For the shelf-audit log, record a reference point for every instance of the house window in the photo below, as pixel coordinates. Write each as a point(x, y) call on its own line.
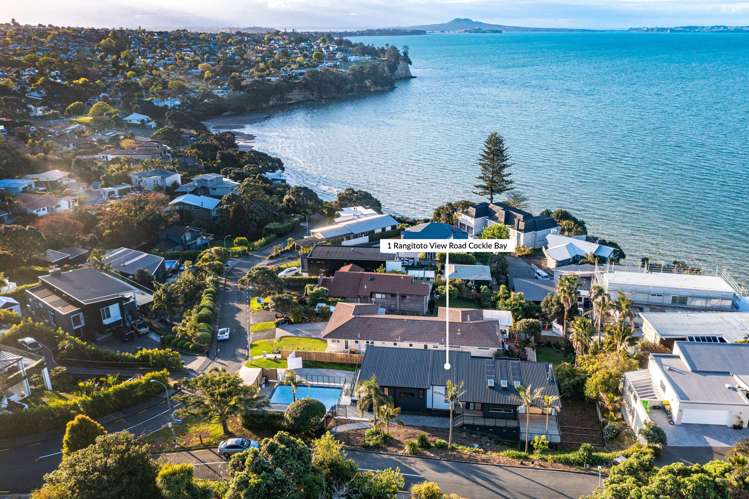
point(77, 320)
point(679, 300)
point(380, 296)
point(110, 314)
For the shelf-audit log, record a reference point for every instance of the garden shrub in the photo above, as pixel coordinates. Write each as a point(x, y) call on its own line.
point(304, 416)
point(411, 446)
point(423, 441)
point(374, 437)
point(514, 454)
point(440, 443)
point(611, 430)
point(262, 420)
point(426, 490)
point(653, 434)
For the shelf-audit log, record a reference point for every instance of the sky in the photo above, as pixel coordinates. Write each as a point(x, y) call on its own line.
point(346, 14)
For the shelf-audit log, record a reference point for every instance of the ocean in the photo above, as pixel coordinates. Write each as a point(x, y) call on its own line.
point(645, 136)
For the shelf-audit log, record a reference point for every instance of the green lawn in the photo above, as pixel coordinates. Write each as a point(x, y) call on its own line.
point(261, 347)
point(262, 326)
point(552, 355)
point(195, 432)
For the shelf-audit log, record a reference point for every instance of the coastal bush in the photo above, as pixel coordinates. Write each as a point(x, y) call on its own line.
point(611, 430)
point(105, 401)
point(426, 490)
point(80, 432)
point(423, 441)
point(262, 420)
point(653, 434)
point(440, 443)
point(411, 446)
point(374, 437)
point(304, 416)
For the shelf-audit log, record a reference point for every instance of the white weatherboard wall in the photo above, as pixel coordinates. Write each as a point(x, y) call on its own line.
point(356, 241)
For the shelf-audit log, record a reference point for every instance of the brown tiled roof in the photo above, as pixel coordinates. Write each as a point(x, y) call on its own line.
point(355, 284)
point(362, 322)
point(37, 201)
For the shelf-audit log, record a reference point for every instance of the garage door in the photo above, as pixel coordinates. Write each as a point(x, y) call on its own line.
point(702, 416)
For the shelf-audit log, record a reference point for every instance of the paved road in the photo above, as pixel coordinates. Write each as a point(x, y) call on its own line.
point(466, 479)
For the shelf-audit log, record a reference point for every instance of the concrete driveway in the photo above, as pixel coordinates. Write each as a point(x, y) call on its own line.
point(697, 435)
point(309, 330)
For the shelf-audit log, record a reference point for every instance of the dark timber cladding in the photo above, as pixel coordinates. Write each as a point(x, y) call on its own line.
point(327, 259)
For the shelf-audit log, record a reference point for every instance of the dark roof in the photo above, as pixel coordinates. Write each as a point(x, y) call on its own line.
point(129, 261)
point(62, 254)
point(516, 218)
point(434, 230)
point(418, 368)
point(350, 283)
point(730, 358)
point(359, 321)
point(349, 253)
point(87, 285)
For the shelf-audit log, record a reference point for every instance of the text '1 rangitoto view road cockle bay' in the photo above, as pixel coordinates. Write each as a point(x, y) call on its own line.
point(432, 249)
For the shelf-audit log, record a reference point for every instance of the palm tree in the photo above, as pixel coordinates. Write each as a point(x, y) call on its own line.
point(567, 293)
point(369, 395)
point(529, 396)
point(582, 330)
point(619, 337)
point(601, 304)
point(386, 413)
point(291, 379)
point(549, 401)
point(623, 308)
point(453, 393)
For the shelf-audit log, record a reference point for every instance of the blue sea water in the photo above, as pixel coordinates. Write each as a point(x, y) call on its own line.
point(643, 135)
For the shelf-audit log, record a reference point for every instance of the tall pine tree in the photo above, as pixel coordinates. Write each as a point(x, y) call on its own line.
point(495, 177)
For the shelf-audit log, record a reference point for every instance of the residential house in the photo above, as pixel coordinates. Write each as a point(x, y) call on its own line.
point(50, 179)
point(353, 212)
point(11, 304)
point(564, 250)
point(138, 119)
point(209, 184)
point(43, 204)
point(198, 208)
point(416, 381)
point(526, 229)
point(533, 289)
point(663, 291)
point(16, 369)
point(66, 256)
point(15, 186)
point(393, 292)
point(169, 102)
point(327, 259)
point(114, 191)
point(698, 384)
point(474, 274)
point(128, 262)
point(430, 230)
point(85, 301)
point(356, 231)
point(184, 237)
point(667, 328)
point(143, 150)
point(356, 326)
point(151, 180)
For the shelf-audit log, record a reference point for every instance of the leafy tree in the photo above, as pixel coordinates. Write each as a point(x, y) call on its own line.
point(176, 481)
point(304, 416)
point(582, 331)
point(302, 200)
point(569, 224)
point(567, 293)
point(282, 467)
point(495, 231)
point(23, 244)
point(169, 136)
point(13, 161)
point(376, 485)
point(552, 308)
point(80, 432)
point(264, 281)
point(352, 197)
point(60, 229)
point(517, 305)
point(494, 163)
point(133, 220)
point(115, 466)
point(653, 434)
point(219, 395)
point(315, 293)
point(328, 459)
point(526, 329)
point(449, 212)
point(619, 337)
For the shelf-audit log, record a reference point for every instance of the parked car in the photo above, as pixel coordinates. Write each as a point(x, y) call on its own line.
point(291, 271)
point(227, 448)
point(140, 327)
point(30, 344)
point(223, 334)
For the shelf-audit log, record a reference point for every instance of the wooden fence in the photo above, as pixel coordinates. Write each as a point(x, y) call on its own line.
point(336, 357)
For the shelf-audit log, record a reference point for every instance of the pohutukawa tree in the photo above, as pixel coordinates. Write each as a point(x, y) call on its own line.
point(494, 163)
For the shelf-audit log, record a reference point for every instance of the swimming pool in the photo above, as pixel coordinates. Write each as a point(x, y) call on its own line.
point(328, 396)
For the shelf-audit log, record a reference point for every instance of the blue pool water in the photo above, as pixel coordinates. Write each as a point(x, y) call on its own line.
point(643, 135)
point(328, 396)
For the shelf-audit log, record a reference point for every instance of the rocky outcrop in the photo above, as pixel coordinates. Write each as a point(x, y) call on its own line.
point(403, 71)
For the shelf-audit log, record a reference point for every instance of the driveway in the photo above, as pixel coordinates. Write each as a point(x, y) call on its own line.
point(466, 479)
point(309, 330)
point(697, 435)
point(234, 313)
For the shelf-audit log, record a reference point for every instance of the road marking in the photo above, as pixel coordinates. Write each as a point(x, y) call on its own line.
point(48, 455)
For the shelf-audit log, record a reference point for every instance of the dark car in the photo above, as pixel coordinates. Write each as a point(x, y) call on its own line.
point(127, 335)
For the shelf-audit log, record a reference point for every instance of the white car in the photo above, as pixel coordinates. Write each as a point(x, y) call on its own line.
point(223, 334)
point(227, 448)
point(291, 271)
point(30, 344)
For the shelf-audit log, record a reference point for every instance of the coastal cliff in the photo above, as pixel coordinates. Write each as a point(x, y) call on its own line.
point(403, 71)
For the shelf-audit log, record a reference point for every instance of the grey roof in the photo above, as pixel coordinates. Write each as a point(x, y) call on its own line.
point(732, 326)
point(715, 357)
point(62, 254)
point(469, 272)
point(350, 253)
point(154, 173)
point(564, 248)
point(8, 359)
point(129, 261)
point(534, 289)
point(418, 368)
point(666, 280)
point(88, 285)
point(516, 218)
point(434, 230)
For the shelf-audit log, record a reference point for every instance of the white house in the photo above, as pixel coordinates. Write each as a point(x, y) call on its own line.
point(355, 231)
point(8, 303)
point(470, 273)
point(137, 119)
point(43, 204)
point(564, 250)
point(526, 229)
point(666, 291)
point(151, 180)
point(169, 102)
point(209, 184)
point(701, 327)
point(353, 212)
point(700, 383)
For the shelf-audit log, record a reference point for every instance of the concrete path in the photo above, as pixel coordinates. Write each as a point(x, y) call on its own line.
point(350, 427)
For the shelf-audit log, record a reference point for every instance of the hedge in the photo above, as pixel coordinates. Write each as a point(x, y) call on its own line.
point(101, 403)
point(262, 420)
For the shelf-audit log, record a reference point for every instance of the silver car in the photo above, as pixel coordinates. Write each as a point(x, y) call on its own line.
point(231, 446)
